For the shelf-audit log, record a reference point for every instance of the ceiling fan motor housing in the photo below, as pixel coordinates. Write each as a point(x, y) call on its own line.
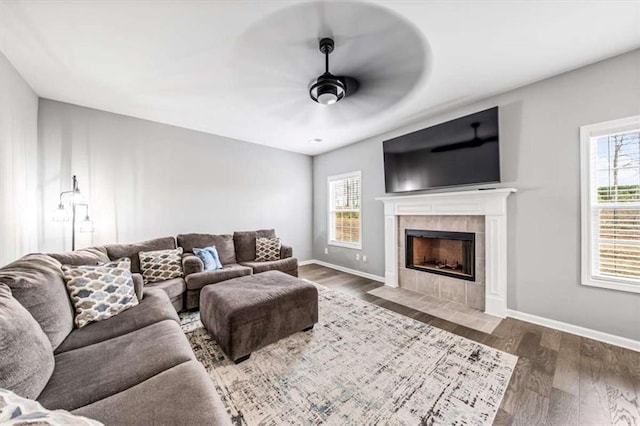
point(327, 89)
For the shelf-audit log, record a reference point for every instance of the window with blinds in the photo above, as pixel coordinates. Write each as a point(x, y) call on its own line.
point(611, 204)
point(345, 226)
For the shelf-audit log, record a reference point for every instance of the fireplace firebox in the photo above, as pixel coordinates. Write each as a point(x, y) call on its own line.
point(444, 253)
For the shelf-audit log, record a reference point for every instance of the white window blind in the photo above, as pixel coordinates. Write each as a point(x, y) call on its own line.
point(611, 204)
point(345, 224)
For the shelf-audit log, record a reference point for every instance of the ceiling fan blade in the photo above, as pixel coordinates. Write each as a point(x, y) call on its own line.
point(351, 85)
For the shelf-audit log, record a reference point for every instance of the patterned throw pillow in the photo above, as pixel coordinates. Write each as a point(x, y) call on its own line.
point(15, 410)
point(99, 292)
point(267, 249)
point(161, 265)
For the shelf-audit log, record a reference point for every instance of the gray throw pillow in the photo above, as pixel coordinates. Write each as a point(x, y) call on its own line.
point(100, 292)
point(26, 360)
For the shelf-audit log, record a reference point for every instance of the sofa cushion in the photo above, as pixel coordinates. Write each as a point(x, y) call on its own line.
point(15, 410)
point(284, 265)
point(26, 362)
point(116, 251)
point(155, 307)
point(161, 265)
point(36, 282)
point(200, 279)
point(88, 256)
point(182, 395)
point(267, 249)
point(91, 373)
point(245, 242)
point(99, 292)
point(173, 287)
point(223, 244)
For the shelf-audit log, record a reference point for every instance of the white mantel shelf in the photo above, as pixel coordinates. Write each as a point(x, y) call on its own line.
point(491, 203)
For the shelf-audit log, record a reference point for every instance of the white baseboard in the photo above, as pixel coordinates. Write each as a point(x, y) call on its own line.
point(612, 339)
point(343, 269)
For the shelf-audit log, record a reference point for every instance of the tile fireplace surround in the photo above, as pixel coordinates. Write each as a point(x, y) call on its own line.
point(470, 293)
point(401, 212)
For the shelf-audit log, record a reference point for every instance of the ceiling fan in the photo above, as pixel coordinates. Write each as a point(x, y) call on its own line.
point(328, 89)
point(471, 143)
point(362, 70)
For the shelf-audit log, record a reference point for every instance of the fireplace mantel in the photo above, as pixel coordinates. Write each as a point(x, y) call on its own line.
point(492, 204)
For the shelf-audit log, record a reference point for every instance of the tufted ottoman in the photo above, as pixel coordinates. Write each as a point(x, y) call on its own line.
point(247, 313)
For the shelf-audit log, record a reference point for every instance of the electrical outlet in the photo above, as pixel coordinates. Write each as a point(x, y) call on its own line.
point(326, 250)
point(364, 257)
point(357, 256)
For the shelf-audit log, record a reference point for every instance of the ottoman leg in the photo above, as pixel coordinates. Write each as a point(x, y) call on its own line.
point(308, 328)
point(242, 358)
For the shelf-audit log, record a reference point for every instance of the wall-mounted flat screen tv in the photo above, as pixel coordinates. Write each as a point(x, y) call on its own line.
point(463, 151)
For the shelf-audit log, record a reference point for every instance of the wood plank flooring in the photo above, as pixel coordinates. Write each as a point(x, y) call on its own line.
point(560, 378)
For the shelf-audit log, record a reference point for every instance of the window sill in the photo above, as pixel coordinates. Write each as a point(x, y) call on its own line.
point(612, 285)
point(345, 245)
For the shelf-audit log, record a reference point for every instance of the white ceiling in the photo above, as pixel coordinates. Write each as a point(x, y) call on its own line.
point(241, 68)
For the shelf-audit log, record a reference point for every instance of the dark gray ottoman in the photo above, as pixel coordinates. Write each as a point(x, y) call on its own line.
point(247, 313)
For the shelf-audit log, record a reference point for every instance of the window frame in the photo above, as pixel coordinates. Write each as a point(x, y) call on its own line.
point(331, 211)
point(587, 133)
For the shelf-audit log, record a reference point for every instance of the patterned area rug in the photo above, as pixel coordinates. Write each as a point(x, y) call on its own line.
point(361, 364)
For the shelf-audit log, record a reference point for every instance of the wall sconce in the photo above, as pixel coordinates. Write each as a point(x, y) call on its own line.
point(76, 200)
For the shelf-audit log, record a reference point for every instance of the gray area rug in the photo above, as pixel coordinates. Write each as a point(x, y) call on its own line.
point(361, 364)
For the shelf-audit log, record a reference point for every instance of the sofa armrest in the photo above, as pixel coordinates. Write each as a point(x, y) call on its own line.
point(286, 251)
point(138, 285)
point(191, 264)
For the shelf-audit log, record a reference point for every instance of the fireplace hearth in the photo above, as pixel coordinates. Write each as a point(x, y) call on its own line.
point(441, 252)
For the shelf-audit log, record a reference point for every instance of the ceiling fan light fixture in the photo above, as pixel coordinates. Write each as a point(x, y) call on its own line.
point(327, 89)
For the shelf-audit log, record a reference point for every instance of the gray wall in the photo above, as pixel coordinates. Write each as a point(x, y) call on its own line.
point(539, 130)
point(145, 180)
point(18, 161)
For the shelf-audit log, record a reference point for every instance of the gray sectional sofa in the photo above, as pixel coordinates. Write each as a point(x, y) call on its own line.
point(237, 254)
point(134, 368)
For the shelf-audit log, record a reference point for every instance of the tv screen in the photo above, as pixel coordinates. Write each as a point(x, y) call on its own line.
point(463, 151)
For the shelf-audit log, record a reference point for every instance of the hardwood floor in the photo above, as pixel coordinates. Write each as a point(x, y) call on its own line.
point(560, 378)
